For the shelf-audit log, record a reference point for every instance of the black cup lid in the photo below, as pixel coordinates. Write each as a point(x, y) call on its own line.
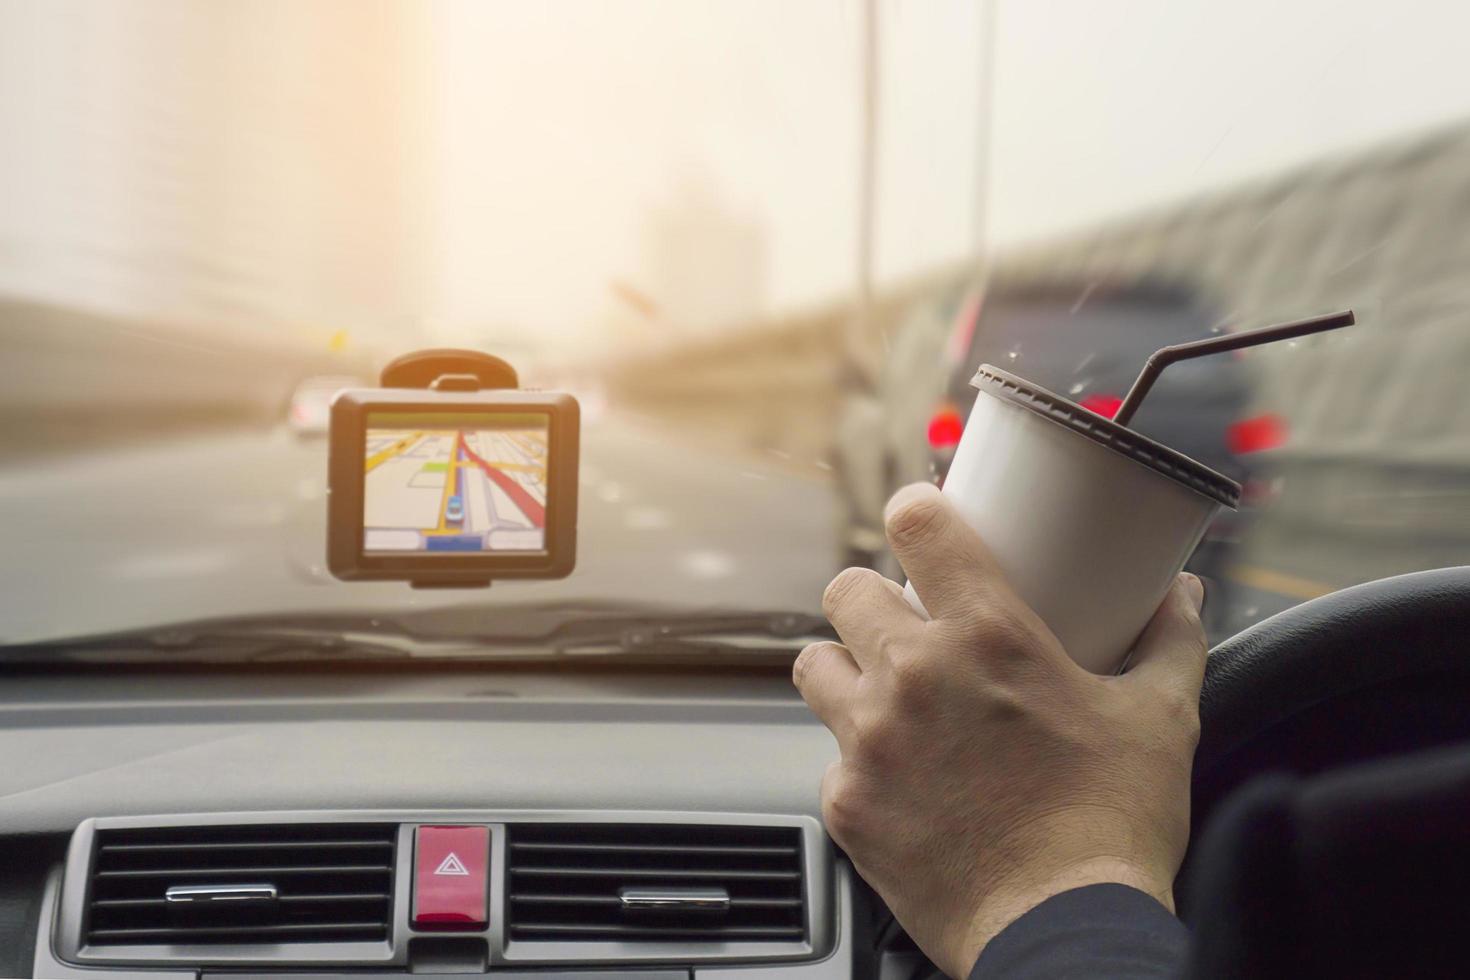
point(1140, 448)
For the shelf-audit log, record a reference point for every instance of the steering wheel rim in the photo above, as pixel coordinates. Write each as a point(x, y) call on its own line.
point(1348, 645)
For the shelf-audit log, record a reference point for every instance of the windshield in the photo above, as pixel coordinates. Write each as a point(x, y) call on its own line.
point(766, 245)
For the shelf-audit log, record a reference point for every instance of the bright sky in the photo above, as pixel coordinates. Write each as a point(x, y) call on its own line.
point(564, 124)
point(1105, 107)
point(514, 151)
point(566, 121)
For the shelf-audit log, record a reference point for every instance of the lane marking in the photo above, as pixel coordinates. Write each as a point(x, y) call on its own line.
point(383, 455)
point(1281, 583)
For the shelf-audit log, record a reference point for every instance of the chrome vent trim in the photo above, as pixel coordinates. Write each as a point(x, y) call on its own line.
point(265, 884)
point(654, 883)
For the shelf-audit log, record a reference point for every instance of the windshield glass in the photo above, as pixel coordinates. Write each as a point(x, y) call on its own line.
point(766, 245)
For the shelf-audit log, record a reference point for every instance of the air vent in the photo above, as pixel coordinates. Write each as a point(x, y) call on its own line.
point(283, 883)
point(655, 883)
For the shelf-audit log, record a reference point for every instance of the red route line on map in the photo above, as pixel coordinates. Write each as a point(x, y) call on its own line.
point(517, 493)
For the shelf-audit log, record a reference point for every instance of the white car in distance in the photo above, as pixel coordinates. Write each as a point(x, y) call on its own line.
point(310, 411)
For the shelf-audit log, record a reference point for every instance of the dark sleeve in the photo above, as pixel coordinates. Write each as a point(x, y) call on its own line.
point(1099, 931)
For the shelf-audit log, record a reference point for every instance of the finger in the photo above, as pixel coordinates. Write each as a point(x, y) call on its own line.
point(863, 606)
point(944, 558)
point(827, 676)
point(1170, 654)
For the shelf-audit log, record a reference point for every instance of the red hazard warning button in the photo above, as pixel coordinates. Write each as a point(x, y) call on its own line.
point(451, 874)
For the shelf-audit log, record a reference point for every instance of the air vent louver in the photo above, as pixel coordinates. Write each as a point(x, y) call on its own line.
point(332, 884)
point(581, 882)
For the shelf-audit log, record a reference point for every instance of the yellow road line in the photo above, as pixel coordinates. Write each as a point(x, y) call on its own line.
point(450, 478)
point(528, 442)
point(1278, 582)
point(382, 456)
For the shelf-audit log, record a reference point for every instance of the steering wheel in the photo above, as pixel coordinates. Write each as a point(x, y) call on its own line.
point(1377, 669)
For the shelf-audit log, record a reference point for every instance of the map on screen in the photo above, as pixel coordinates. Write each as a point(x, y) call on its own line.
point(455, 483)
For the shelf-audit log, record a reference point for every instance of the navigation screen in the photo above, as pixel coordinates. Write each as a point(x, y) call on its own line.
point(455, 483)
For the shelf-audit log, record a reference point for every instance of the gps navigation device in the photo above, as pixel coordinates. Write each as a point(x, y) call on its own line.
point(451, 485)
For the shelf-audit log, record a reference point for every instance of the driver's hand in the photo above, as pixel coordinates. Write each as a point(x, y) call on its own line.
point(983, 771)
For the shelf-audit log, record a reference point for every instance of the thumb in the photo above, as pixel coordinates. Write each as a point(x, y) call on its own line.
point(1170, 653)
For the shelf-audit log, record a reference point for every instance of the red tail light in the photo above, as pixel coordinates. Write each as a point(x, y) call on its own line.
point(945, 428)
point(1256, 434)
point(1105, 405)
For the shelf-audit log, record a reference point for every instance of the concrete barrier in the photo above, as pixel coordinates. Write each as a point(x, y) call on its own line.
point(773, 386)
point(69, 378)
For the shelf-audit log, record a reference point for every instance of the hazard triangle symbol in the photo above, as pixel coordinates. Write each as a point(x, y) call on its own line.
point(451, 866)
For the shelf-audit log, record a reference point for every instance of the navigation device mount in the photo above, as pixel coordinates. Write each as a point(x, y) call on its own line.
point(451, 476)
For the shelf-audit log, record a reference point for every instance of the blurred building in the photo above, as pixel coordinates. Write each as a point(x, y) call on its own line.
point(1371, 475)
point(200, 204)
point(253, 166)
point(1374, 466)
point(704, 263)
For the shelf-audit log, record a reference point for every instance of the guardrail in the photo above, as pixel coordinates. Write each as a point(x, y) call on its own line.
point(777, 385)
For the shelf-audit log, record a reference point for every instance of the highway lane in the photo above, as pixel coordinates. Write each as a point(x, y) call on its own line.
point(235, 523)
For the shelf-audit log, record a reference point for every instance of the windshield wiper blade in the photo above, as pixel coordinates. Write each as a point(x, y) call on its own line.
point(643, 636)
point(749, 639)
point(214, 646)
point(645, 631)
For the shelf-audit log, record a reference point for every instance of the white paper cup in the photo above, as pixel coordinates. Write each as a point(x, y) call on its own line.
point(1089, 521)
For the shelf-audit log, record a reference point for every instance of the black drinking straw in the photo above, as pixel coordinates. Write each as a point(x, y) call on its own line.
point(1165, 356)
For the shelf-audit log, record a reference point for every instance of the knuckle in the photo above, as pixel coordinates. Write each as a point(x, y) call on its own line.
point(801, 667)
point(991, 627)
point(872, 736)
point(1015, 698)
point(917, 520)
point(1189, 629)
point(1188, 619)
point(1005, 704)
point(1183, 714)
point(806, 670)
point(1199, 644)
point(914, 678)
point(1177, 711)
point(842, 812)
point(1188, 638)
point(842, 587)
point(891, 646)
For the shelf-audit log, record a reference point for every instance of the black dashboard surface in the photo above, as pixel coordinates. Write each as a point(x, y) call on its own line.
point(90, 743)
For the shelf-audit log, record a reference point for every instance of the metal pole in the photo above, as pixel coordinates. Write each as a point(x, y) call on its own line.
point(979, 231)
point(861, 323)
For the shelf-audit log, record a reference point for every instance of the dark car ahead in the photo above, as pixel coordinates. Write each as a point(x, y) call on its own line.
point(1088, 346)
point(1086, 343)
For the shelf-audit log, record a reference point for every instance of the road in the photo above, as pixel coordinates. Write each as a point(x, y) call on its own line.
point(235, 523)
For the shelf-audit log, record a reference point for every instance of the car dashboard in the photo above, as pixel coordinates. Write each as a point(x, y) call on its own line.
point(293, 821)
